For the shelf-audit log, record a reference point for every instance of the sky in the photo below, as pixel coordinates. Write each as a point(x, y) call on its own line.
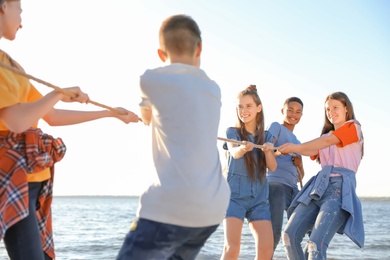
point(307, 49)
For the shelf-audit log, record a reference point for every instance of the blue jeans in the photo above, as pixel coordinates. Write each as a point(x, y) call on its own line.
point(157, 241)
point(280, 198)
point(321, 218)
point(22, 240)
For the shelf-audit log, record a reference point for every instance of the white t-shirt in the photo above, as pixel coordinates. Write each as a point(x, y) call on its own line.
point(191, 191)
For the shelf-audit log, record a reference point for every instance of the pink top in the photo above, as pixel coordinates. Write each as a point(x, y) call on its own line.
point(348, 153)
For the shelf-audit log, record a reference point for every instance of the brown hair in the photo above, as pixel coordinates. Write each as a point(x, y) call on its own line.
point(253, 164)
point(343, 98)
point(180, 34)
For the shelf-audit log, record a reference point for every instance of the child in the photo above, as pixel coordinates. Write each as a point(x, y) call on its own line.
point(25, 199)
point(283, 181)
point(247, 180)
point(177, 214)
point(328, 203)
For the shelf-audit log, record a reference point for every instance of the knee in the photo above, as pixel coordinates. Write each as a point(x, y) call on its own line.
point(314, 252)
point(286, 239)
point(312, 247)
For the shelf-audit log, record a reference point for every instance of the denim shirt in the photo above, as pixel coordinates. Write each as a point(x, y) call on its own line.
point(315, 188)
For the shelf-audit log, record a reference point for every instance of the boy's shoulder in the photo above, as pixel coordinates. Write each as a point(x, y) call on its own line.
point(177, 70)
point(274, 126)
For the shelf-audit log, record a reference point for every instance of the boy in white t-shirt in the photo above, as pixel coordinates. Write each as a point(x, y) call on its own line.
point(182, 104)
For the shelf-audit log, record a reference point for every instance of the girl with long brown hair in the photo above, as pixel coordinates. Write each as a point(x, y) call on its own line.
point(328, 203)
point(246, 176)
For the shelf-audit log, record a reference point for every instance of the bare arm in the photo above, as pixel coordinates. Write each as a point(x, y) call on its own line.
point(22, 116)
point(238, 151)
point(270, 156)
point(311, 147)
point(59, 117)
point(19, 117)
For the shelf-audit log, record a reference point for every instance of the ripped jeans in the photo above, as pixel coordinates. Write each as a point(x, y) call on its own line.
point(322, 218)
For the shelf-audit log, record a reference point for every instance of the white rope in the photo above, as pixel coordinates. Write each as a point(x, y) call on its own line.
point(242, 143)
point(255, 145)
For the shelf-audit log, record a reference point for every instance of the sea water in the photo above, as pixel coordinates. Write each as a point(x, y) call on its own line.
point(94, 228)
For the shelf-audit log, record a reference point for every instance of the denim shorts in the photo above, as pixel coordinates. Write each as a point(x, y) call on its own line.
point(154, 240)
point(249, 199)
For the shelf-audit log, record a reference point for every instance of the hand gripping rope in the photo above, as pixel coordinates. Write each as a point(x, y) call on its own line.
point(58, 89)
point(300, 174)
point(242, 143)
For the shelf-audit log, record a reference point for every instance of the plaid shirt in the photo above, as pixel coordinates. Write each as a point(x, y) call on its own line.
point(21, 154)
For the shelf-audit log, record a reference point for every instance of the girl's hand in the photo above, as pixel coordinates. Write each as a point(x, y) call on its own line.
point(287, 148)
point(247, 146)
point(127, 116)
point(269, 147)
point(74, 94)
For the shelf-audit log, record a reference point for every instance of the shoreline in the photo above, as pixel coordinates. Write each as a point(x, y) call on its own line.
point(362, 198)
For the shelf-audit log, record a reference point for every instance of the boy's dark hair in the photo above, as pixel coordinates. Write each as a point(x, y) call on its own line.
point(293, 99)
point(180, 34)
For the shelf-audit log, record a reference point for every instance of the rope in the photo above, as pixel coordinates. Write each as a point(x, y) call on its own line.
point(300, 176)
point(254, 145)
point(58, 89)
point(242, 143)
point(300, 173)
